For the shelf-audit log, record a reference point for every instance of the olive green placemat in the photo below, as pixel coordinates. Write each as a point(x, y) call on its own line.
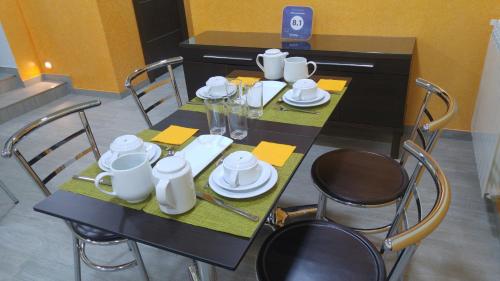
point(272, 112)
point(88, 189)
point(207, 215)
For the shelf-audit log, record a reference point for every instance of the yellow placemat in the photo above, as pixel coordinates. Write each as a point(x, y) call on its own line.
point(248, 80)
point(175, 135)
point(331, 85)
point(273, 153)
point(207, 215)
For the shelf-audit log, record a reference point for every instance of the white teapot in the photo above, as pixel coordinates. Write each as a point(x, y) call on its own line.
point(273, 63)
point(174, 185)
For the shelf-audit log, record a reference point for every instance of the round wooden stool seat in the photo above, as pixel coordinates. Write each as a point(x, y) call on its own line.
point(359, 177)
point(318, 250)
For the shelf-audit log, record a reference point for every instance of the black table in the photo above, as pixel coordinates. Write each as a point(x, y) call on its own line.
point(202, 244)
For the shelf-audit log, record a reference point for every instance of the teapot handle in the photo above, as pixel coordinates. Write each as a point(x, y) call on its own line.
point(314, 70)
point(97, 182)
point(258, 63)
point(164, 193)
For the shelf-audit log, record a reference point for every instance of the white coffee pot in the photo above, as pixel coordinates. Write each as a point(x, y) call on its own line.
point(174, 185)
point(273, 63)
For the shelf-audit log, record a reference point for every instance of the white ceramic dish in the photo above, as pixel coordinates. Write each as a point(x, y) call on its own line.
point(325, 99)
point(152, 149)
point(263, 178)
point(203, 150)
point(244, 194)
point(319, 96)
point(202, 92)
point(271, 89)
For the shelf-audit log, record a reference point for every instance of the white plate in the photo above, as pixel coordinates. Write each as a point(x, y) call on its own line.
point(326, 98)
point(271, 89)
point(203, 150)
point(289, 96)
point(202, 92)
point(152, 149)
point(263, 178)
point(244, 194)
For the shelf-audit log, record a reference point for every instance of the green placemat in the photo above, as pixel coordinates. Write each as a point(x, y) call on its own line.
point(272, 112)
point(207, 215)
point(88, 189)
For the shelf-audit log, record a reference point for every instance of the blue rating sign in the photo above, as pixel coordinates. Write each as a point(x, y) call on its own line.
point(297, 22)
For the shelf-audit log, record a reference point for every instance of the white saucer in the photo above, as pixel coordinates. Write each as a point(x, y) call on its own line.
point(245, 194)
point(325, 99)
point(289, 96)
point(152, 149)
point(263, 178)
point(202, 92)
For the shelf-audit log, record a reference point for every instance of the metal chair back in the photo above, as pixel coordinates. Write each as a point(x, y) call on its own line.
point(138, 94)
point(10, 146)
point(427, 127)
point(406, 241)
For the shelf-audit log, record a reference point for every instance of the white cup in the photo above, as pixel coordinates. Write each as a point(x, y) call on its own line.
point(124, 145)
point(216, 86)
point(174, 185)
point(241, 168)
point(304, 90)
point(296, 68)
point(131, 178)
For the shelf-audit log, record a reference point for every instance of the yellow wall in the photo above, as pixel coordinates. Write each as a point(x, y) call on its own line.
point(19, 39)
point(451, 36)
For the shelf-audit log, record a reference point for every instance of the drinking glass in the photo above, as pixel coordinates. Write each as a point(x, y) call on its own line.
point(237, 117)
point(255, 100)
point(216, 115)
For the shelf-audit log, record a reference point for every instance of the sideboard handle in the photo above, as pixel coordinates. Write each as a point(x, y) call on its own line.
point(227, 58)
point(364, 65)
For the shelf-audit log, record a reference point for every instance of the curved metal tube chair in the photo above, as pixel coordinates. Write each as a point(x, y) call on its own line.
point(321, 250)
point(370, 180)
point(129, 84)
point(82, 234)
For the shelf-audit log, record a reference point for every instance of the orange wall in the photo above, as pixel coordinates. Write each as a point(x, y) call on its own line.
point(19, 39)
point(451, 36)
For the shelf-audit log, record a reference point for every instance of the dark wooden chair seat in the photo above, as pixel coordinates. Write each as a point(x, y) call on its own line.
point(94, 234)
point(318, 250)
point(359, 177)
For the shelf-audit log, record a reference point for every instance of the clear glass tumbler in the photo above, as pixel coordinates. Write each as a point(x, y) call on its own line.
point(216, 115)
point(255, 100)
point(237, 117)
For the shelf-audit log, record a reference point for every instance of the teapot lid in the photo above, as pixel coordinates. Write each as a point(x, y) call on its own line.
point(273, 52)
point(170, 165)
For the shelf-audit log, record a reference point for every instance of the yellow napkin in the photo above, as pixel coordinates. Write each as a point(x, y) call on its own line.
point(175, 135)
point(331, 85)
point(248, 80)
point(273, 153)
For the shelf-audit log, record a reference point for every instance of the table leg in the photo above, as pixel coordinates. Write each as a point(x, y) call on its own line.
point(396, 143)
point(200, 271)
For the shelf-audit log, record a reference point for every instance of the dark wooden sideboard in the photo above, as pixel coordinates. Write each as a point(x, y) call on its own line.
point(379, 67)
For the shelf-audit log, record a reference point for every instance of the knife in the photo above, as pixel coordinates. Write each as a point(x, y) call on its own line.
point(216, 201)
point(88, 179)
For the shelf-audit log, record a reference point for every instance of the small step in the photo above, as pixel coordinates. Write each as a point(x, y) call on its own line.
point(9, 82)
point(20, 101)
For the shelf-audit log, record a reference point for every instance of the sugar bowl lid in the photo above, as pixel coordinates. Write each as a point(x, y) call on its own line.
point(126, 143)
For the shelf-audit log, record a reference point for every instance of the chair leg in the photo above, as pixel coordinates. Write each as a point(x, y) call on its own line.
point(138, 258)
point(9, 193)
point(320, 213)
point(76, 259)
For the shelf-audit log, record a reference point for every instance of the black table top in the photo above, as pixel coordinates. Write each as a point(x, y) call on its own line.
point(318, 42)
point(213, 247)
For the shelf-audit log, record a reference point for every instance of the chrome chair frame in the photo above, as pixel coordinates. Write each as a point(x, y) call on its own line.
point(405, 242)
point(78, 241)
point(150, 67)
point(9, 193)
point(432, 129)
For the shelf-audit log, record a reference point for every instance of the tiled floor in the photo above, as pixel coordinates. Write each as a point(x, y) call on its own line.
point(37, 247)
